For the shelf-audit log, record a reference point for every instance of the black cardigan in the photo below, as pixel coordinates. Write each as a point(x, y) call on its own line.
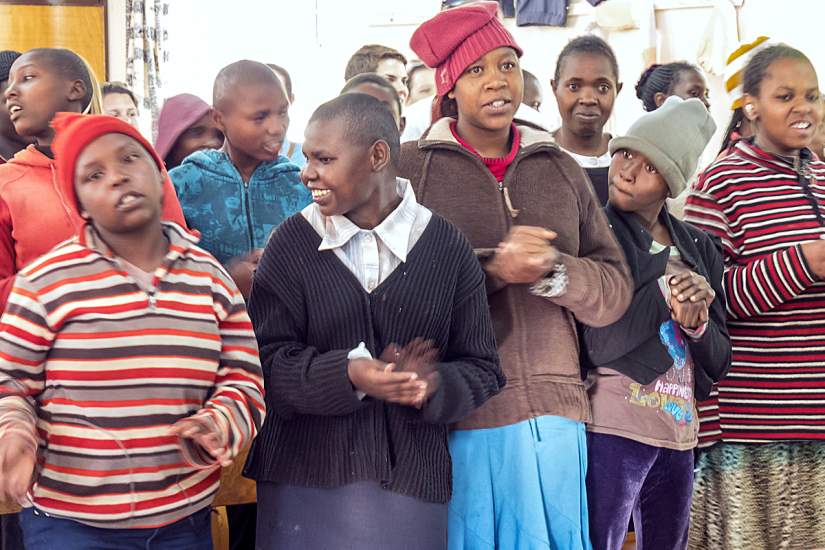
point(631, 345)
point(309, 311)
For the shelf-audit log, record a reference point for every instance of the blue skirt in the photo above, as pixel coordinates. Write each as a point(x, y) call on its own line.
point(520, 487)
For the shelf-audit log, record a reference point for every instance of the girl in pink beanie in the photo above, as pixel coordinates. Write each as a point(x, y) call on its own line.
point(519, 461)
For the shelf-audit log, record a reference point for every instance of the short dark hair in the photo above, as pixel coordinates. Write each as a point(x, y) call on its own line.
point(758, 65)
point(372, 78)
point(367, 58)
point(7, 59)
point(591, 44)
point(284, 74)
point(68, 65)
point(241, 73)
point(366, 120)
point(117, 88)
point(661, 79)
point(530, 76)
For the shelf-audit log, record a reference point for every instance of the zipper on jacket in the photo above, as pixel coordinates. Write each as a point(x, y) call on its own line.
point(803, 176)
point(248, 215)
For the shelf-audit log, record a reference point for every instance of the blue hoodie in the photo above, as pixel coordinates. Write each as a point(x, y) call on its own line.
point(232, 217)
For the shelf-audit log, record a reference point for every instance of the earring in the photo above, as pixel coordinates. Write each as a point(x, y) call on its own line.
point(749, 108)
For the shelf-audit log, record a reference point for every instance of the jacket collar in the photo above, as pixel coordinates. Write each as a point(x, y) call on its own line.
point(532, 137)
point(394, 231)
point(218, 163)
point(31, 156)
point(180, 241)
point(747, 148)
point(642, 239)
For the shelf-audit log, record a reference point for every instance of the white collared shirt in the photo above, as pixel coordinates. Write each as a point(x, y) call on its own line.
point(373, 254)
point(586, 161)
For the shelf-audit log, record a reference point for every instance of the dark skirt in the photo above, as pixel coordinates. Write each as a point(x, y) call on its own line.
point(359, 515)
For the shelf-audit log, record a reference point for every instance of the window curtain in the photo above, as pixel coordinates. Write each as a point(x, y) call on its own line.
point(146, 54)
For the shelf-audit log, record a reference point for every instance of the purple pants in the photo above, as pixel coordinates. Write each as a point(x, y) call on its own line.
point(653, 484)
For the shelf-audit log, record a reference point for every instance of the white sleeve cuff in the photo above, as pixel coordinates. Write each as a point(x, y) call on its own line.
point(360, 352)
point(664, 286)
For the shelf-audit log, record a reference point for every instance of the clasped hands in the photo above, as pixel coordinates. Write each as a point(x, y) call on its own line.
point(690, 299)
point(405, 376)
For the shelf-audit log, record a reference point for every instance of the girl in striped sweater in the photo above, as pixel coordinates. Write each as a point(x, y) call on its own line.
point(760, 485)
point(129, 371)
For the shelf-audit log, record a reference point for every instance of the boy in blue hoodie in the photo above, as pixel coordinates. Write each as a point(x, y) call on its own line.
point(237, 195)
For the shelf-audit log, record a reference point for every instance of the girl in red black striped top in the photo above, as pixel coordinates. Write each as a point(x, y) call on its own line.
point(757, 487)
point(129, 372)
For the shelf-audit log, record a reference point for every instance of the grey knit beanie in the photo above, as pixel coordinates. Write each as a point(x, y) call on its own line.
point(672, 138)
point(7, 57)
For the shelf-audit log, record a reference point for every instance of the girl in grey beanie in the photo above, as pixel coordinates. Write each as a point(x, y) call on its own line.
point(648, 369)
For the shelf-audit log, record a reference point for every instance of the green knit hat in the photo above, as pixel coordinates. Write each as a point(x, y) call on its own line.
point(672, 137)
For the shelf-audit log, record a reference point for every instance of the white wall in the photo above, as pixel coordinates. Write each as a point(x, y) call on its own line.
point(314, 38)
point(116, 42)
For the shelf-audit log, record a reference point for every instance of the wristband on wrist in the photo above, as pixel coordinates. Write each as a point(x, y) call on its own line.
point(553, 286)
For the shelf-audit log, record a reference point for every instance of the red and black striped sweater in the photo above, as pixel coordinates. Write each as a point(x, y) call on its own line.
point(764, 210)
point(94, 370)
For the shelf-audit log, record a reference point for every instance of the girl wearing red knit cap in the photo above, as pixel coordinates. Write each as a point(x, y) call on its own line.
point(129, 370)
point(519, 461)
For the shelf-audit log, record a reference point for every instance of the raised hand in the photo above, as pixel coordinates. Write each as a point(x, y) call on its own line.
point(525, 255)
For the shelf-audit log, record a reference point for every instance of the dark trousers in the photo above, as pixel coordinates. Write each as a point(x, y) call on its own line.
point(42, 532)
point(10, 536)
point(652, 484)
point(241, 519)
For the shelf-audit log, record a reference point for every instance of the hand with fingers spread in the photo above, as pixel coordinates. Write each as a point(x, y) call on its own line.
point(691, 296)
point(420, 356)
point(205, 432)
point(17, 460)
point(379, 380)
point(525, 255)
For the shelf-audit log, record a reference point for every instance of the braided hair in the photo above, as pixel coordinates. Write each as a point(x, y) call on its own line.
point(735, 124)
point(660, 79)
point(758, 65)
point(752, 77)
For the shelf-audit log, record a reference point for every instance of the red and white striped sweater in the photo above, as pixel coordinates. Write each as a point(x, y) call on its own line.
point(763, 213)
point(95, 370)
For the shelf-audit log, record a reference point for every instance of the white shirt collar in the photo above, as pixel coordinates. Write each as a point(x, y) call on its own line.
point(394, 231)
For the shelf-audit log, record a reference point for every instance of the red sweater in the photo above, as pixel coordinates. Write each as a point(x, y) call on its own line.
point(496, 165)
point(776, 306)
point(34, 214)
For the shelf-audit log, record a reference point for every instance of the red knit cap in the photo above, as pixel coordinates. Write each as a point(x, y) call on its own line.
point(73, 132)
point(454, 39)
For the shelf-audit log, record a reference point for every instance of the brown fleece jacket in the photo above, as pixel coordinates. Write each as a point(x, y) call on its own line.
point(537, 339)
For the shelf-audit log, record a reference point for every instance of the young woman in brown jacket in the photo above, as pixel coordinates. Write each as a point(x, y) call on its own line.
point(550, 259)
